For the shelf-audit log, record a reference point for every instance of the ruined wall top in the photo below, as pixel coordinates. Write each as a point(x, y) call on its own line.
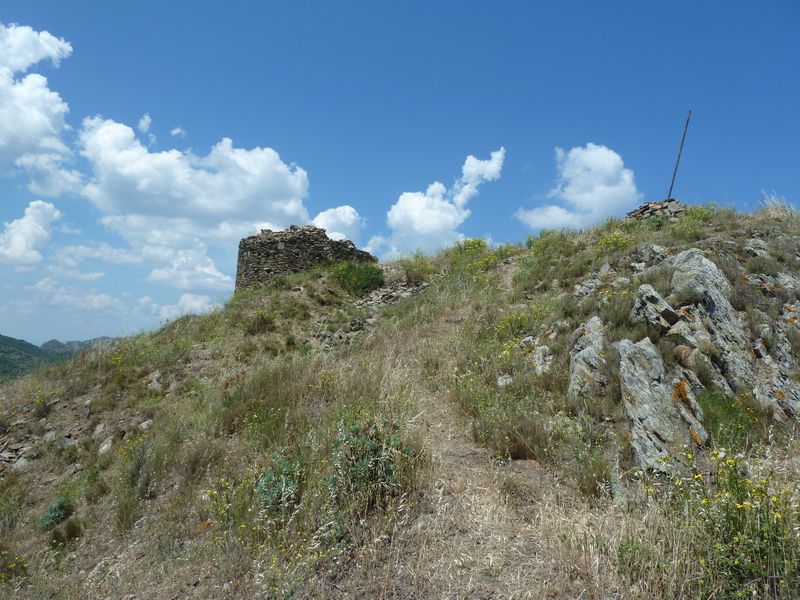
point(270, 254)
point(669, 209)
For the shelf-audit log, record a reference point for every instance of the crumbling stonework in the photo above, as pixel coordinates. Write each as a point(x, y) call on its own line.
point(271, 254)
point(666, 209)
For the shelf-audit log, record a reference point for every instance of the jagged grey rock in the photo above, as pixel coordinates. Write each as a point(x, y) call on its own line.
point(542, 358)
point(662, 413)
point(756, 247)
point(649, 307)
point(587, 365)
point(718, 327)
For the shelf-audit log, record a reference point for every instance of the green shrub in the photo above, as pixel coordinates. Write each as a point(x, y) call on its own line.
point(592, 469)
point(261, 322)
point(56, 512)
point(417, 268)
point(612, 242)
point(71, 529)
point(280, 487)
point(12, 498)
point(732, 422)
point(552, 255)
point(370, 464)
point(763, 265)
point(11, 564)
point(358, 277)
point(749, 546)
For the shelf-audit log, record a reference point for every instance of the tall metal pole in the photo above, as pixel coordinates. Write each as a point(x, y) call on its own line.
point(680, 150)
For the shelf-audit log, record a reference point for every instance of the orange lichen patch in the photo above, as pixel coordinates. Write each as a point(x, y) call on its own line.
point(202, 526)
point(695, 435)
point(686, 313)
point(780, 394)
point(629, 435)
point(792, 320)
point(680, 390)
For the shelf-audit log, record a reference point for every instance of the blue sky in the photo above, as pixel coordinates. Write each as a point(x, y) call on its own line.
point(571, 112)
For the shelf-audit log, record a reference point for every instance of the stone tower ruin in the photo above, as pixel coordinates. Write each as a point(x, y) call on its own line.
point(271, 254)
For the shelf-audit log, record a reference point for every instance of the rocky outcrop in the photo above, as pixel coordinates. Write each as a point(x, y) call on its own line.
point(587, 365)
point(271, 254)
point(704, 291)
point(669, 209)
point(662, 412)
point(649, 307)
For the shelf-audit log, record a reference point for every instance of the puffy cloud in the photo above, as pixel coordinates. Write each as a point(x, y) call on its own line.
point(476, 171)
point(22, 239)
point(592, 183)
point(22, 47)
point(187, 304)
point(31, 115)
point(144, 123)
point(178, 132)
point(223, 191)
point(340, 223)
point(191, 269)
point(48, 177)
point(429, 220)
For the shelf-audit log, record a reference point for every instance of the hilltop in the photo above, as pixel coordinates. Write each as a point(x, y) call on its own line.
point(605, 413)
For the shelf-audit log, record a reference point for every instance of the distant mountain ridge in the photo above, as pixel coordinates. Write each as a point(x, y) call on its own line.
point(75, 346)
point(18, 357)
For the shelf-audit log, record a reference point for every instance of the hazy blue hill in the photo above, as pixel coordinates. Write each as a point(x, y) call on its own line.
point(73, 347)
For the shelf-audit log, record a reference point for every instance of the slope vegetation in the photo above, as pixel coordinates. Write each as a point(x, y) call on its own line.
point(600, 414)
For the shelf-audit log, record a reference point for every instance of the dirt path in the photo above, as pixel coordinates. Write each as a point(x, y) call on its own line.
point(488, 530)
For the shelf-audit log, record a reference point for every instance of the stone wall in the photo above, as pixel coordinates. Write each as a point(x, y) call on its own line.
point(666, 209)
point(271, 254)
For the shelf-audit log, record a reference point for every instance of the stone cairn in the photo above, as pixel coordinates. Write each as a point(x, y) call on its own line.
point(669, 209)
point(271, 254)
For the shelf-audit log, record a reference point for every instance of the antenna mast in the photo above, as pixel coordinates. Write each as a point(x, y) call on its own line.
point(680, 150)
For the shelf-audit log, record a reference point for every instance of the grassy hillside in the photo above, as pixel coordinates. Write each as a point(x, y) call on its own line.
point(316, 439)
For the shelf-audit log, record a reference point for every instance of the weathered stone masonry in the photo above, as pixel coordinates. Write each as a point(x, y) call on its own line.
point(271, 254)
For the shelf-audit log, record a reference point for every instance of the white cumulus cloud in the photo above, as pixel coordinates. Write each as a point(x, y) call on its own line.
point(32, 117)
point(22, 240)
point(430, 220)
point(169, 193)
point(592, 184)
point(340, 223)
point(47, 176)
point(187, 304)
point(191, 269)
point(21, 47)
point(177, 132)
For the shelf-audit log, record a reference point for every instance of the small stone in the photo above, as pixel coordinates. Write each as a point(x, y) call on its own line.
point(49, 437)
point(145, 425)
point(504, 380)
point(105, 447)
point(22, 465)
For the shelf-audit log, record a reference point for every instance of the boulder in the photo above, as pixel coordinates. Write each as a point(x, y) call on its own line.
point(662, 412)
point(587, 365)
